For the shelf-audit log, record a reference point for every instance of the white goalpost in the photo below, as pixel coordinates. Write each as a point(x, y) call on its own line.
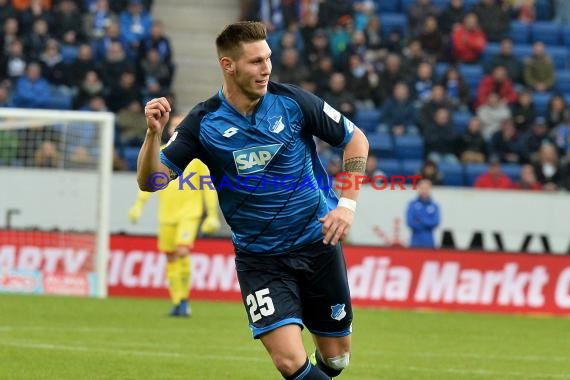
point(50, 158)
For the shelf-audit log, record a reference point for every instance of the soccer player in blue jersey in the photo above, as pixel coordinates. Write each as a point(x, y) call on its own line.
point(286, 234)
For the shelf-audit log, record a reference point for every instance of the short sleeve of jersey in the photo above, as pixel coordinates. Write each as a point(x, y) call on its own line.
point(321, 119)
point(184, 145)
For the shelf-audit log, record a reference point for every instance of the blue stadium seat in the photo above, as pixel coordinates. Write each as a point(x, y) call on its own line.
point(390, 166)
point(406, 4)
point(367, 119)
point(491, 50)
point(411, 167)
point(381, 144)
point(513, 171)
point(522, 51)
point(565, 35)
point(520, 32)
point(131, 154)
point(441, 4)
point(453, 174)
point(559, 55)
point(472, 171)
point(562, 83)
point(440, 70)
point(541, 100)
point(393, 21)
point(567, 98)
point(544, 10)
point(472, 75)
point(387, 5)
point(461, 121)
point(469, 4)
point(409, 147)
point(545, 31)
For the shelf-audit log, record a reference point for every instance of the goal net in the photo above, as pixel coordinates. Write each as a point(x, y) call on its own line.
point(55, 172)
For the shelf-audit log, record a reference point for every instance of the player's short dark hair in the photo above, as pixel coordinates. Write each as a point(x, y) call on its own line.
point(230, 39)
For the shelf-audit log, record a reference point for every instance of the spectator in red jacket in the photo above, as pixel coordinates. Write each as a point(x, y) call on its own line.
point(468, 40)
point(498, 82)
point(494, 178)
point(528, 179)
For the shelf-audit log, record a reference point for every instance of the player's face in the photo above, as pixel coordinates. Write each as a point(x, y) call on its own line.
point(253, 68)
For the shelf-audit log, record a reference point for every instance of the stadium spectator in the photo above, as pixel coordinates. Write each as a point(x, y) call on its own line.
point(22, 5)
point(101, 45)
point(561, 11)
point(290, 68)
point(158, 40)
point(533, 140)
point(35, 41)
point(432, 40)
point(494, 178)
point(412, 57)
point(47, 156)
point(135, 24)
point(360, 77)
point(7, 11)
point(508, 60)
point(322, 74)
point(524, 10)
point(423, 216)
point(561, 137)
point(547, 169)
point(332, 11)
point(395, 41)
point(318, 49)
point(392, 74)
point(67, 17)
point(123, 92)
point(539, 71)
point(437, 100)
point(153, 68)
point(129, 120)
point(340, 37)
point(528, 179)
point(90, 86)
point(36, 10)
point(494, 17)
point(468, 40)
point(5, 98)
point(430, 171)
point(471, 146)
point(523, 111)
point(356, 46)
point(498, 82)
point(82, 65)
point(457, 90)
point(53, 68)
point(440, 138)
point(423, 82)
point(505, 144)
point(398, 112)
point(452, 16)
point(33, 91)
point(338, 96)
point(373, 172)
point(13, 65)
point(96, 21)
point(115, 64)
point(418, 12)
point(374, 36)
point(9, 34)
point(557, 111)
point(492, 114)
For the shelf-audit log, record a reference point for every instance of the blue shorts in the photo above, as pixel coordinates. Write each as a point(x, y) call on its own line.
point(306, 286)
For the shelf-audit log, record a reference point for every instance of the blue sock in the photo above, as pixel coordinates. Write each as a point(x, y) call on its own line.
point(308, 372)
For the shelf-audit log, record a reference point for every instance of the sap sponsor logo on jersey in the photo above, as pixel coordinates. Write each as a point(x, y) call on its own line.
point(276, 124)
point(255, 159)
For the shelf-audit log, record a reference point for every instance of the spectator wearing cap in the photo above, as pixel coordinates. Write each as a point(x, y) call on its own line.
point(533, 140)
point(468, 40)
point(539, 69)
point(494, 178)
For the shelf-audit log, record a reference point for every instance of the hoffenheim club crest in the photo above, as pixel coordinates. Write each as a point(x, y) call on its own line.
point(337, 312)
point(276, 124)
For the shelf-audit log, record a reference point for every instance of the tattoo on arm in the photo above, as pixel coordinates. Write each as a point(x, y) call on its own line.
point(355, 165)
point(172, 174)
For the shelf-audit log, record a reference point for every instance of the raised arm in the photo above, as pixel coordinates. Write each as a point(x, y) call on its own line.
point(157, 112)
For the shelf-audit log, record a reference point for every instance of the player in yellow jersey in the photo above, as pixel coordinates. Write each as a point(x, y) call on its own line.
point(179, 216)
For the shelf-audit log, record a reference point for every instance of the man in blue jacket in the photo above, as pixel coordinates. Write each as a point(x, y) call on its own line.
point(423, 217)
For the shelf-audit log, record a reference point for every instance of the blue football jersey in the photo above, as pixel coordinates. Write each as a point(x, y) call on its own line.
point(271, 184)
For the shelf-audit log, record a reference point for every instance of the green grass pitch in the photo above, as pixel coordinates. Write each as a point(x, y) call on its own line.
point(119, 338)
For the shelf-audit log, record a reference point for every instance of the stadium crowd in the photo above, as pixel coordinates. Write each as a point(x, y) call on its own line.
point(467, 92)
point(93, 55)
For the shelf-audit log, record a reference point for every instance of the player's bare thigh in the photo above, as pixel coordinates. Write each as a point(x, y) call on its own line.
point(285, 346)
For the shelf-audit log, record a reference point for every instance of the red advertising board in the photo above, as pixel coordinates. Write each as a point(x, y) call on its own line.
point(379, 277)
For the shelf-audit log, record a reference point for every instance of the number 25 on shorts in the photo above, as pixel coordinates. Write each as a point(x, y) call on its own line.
point(260, 305)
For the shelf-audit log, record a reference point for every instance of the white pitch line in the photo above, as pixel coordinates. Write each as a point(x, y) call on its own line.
point(523, 358)
point(468, 372)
